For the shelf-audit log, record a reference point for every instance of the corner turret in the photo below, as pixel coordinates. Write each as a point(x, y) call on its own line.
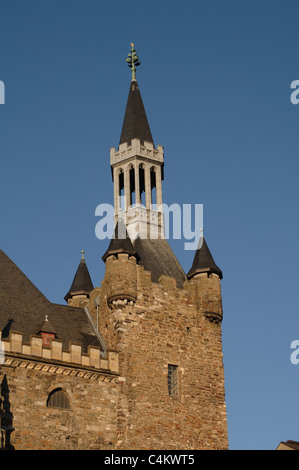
point(203, 261)
point(82, 284)
point(206, 277)
point(121, 274)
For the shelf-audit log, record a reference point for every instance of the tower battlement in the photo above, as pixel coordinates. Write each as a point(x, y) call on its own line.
point(35, 350)
point(129, 150)
point(127, 283)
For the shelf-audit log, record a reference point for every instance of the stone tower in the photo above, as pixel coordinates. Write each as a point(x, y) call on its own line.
point(137, 168)
point(135, 363)
point(164, 325)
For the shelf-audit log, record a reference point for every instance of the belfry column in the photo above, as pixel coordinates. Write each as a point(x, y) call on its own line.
point(127, 189)
point(159, 186)
point(148, 192)
point(137, 185)
point(159, 202)
point(116, 190)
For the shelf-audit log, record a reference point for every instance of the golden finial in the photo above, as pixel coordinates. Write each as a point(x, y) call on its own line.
point(133, 61)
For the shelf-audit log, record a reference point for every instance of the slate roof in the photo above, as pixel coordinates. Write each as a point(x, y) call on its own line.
point(23, 309)
point(203, 261)
point(135, 125)
point(157, 257)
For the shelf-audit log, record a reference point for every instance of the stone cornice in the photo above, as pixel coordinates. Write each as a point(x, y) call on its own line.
point(33, 363)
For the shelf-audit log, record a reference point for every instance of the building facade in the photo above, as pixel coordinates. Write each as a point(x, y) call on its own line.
point(135, 363)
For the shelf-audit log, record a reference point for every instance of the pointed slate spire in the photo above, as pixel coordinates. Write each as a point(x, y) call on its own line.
point(82, 283)
point(135, 125)
point(121, 242)
point(203, 261)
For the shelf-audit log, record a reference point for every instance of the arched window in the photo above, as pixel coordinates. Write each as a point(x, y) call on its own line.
point(132, 185)
point(142, 184)
point(121, 185)
point(153, 185)
point(58, 399)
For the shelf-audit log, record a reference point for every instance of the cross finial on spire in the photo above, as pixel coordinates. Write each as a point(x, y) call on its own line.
point(82, 254)
point(133, 61)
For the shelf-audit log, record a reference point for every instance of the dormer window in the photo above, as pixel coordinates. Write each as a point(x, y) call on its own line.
point(47, 332)
point(46, 338)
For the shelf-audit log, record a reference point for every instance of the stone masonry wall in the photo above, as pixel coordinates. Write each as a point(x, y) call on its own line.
point(167, 325)
point(30, 373)
point(89, 424)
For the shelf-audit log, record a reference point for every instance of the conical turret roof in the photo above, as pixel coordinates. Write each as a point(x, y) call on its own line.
point(203, 261)
point(135, 125)
point(121, 242)
point(82, 283)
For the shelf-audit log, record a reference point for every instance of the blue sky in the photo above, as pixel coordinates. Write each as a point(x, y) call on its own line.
point(215, 80)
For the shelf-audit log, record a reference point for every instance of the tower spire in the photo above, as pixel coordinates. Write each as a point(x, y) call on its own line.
point(135, 124)
point(137, 172)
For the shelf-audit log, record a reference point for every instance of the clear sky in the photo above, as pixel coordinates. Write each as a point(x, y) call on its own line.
point(215, 80)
